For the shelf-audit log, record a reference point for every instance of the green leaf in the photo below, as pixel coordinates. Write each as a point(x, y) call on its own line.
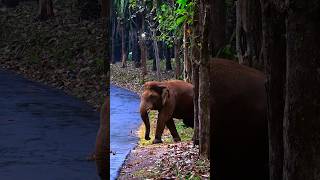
point(180, 20)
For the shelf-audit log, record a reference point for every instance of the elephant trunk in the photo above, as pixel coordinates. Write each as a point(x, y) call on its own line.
point(145, 119)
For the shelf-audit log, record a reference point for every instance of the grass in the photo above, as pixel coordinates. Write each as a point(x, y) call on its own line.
point(184, 132)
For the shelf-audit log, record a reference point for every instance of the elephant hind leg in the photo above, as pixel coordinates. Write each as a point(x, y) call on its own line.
point(173, 130)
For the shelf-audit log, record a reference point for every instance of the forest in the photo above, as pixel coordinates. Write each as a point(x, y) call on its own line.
point(163, 40)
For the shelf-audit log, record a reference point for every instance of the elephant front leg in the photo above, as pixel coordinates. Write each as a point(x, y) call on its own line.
point(163, 117)
point(173, 130)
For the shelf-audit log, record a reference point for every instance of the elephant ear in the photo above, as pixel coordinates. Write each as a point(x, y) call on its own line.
point(165, 95)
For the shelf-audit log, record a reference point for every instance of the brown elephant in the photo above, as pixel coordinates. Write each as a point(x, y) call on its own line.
point(239, 129)
point(173, 99)
point(102, 141)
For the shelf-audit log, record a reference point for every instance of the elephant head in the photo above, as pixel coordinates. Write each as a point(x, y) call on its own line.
point(154, 97)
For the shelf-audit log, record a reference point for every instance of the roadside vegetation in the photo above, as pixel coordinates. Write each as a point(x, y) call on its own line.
point(65, 52)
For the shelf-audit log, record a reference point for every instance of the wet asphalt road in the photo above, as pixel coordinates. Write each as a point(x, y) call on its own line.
point(125, 120)
point(45, 134)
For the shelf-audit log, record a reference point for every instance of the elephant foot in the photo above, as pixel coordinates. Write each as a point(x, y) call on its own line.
point(157, 141)
point(177, 139)
point(147, 138)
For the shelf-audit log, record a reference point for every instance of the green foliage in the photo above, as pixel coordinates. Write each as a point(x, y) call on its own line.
point(226, 52)
point(172, 17)
point(121, 7)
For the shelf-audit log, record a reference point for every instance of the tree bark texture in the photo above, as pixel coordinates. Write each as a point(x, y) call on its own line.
point(204, 83)
point(302, 107)
point(196, 55)
point(186, 58)
point(124, 53)
point(274, 51)
point(249, 33)
point(156, 53)
point(177, 57)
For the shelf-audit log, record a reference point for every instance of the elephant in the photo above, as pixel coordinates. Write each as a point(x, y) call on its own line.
point(239, 128)
point(173, 99)
point(102, 141)
point(238, 124)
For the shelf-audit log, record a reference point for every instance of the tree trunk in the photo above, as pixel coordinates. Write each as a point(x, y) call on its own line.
point(45, 9)
point(196, 55)
point(187, 63)
point(177, 57)
point(195, 82)
point(156, 53)
point(154, 63)
point(168, 58)
point(113, 39)
point(274, 51)
point(136, 52)
point(249, 33)
point(124, 46)
point(239, 36)
point(302, 106)
point(204, 82)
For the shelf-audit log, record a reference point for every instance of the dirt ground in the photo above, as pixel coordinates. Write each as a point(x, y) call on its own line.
point(165, 161)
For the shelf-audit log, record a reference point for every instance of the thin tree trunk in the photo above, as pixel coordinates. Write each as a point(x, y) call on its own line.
point(274, 51)
point(239, 34)
point(113, 40)
point(124, 47)
point(177, 57)
point(156, 53)
point(187, 63)
point(302, 106)
point(168, 60)
point(195, 82)
point(136, 52)
point(196, 55)
point(45, 9)
point(143, 56)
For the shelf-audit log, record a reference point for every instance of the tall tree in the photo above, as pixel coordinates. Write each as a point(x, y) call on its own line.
point(121, 7)
point(274, 55)
point(196, 48)
point(153, 28)
point(302, 106)
point(45, 9)
point(186, 56)
point(248, 28)
point(177, 57)
point(142, 40)
point(204, 9)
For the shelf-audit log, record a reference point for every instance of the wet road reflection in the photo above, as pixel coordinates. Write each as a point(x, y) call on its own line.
point(125, 119)
point(44, 134)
